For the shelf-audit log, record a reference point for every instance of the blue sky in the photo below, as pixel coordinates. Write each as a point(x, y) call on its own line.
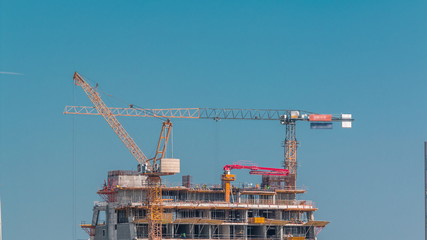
point(368, 58)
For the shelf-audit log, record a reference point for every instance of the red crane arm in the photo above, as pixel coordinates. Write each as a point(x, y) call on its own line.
point(255, 170)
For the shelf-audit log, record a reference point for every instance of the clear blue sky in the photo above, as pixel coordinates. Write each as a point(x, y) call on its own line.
point(364, 57)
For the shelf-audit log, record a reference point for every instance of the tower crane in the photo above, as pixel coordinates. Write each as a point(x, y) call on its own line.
point(152, 168)
point(289, 118)
point(227, 177)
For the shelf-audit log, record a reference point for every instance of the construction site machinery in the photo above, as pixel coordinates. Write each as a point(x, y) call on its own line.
point(227, 177)
point(153, 168)
point(289, 118)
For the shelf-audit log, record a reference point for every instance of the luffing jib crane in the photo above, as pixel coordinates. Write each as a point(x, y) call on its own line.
point(152, 167)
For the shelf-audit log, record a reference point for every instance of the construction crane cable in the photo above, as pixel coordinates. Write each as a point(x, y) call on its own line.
point(152, 113)
point(120, 100)
point(73, 160)
point(133, 105)
point(102, 108)
point(171, 143)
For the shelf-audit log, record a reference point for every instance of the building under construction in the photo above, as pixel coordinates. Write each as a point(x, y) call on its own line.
point(137, 205)
point(202, 212)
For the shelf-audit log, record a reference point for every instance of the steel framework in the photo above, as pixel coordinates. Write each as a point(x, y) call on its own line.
point(109, 116)
point(291, 146)
point(202, 113)
point(155, 210)
point(162, 143)
point(286, 117)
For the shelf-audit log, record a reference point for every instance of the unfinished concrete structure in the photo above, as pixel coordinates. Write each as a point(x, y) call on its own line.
point(200, 212)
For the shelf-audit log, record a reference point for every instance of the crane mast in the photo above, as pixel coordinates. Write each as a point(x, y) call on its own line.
point(291, 146)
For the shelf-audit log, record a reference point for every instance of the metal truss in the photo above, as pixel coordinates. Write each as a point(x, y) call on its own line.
point(201, 113)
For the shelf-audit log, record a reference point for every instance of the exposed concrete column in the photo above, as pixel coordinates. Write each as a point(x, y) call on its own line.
point(172, 230)
point(204, 231)
point(132, 225)
point(245, 232)
point(208, 215)
point(279, 214)
point(95, 215)
point(260, 231)
point(169, 230)
point(111, 222)
point(264, 232)
point(240, 232)
point(213, 228)
point(224, 231)
point(132, 230)
point(280, 232)
point(310, 216)
point(279, 229)
point(245, 215)
point(191, 232)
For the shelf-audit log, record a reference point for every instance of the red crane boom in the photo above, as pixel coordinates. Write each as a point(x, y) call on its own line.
point(227, 177)
point(255, 170)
